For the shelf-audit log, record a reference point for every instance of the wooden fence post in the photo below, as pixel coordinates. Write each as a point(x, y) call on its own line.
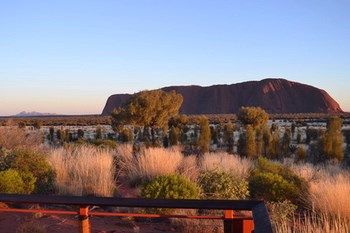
point(84, 219)
point(232, 225)
point(228, 222)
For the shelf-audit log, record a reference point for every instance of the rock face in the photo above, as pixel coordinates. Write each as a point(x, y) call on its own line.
point(273, 95)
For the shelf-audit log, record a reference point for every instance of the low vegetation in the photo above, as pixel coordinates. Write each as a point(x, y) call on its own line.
point(307, 190)
point(83, 170)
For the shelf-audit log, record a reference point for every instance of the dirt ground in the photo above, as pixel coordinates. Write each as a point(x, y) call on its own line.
point(27, 223)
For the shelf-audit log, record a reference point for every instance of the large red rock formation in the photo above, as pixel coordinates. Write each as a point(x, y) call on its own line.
point(273, 95)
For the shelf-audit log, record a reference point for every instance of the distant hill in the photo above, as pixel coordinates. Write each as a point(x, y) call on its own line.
point(273, 95)
point(33, 114)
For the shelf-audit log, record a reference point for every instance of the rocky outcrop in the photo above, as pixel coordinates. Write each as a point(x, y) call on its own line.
point(273, 95)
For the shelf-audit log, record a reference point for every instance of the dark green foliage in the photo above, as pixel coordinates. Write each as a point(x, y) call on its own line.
point(223, 185)
point(171, 187)
point(274, 182)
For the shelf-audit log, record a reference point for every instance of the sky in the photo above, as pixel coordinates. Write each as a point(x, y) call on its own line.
point(68, 57)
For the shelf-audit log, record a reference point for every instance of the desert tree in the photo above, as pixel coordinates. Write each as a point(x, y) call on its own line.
point(285, 143)
point(204, 138)
point(253, 116)
point(126, 135)
point(148, 109)
point(98, 133)
point(332, 140)
point(174, 136)
point(266, 138)
point(228, 136)
point(254, 121)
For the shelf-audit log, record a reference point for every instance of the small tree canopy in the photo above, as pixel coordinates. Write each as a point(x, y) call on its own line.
point(149, 109)
point(254, 116)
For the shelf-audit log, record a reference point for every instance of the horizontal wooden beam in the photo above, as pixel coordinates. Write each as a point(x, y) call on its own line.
point(132, 202)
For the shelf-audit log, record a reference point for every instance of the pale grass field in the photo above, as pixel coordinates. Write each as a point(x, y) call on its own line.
point(83, 170)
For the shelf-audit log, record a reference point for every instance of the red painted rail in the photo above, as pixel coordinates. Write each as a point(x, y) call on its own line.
point(259, 223)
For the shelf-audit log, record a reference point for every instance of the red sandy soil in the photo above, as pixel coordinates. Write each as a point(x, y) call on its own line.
point(10, 223)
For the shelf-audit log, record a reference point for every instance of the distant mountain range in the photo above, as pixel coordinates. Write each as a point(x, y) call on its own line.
point(273, 95)
point(32, 114)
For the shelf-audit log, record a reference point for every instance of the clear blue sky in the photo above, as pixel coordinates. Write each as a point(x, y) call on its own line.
point(69, 56)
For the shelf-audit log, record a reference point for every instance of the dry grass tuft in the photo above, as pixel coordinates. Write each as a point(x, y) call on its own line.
point(152, 162)
point(189, 167)
point(331, 195)
point(12, 137)
point(240, 167)
point(83, 170)
point(315, 223)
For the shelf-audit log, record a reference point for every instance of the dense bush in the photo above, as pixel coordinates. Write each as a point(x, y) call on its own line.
point(30, 163)
point(276, 183)
point(11, 181)
point(223, 185)
point(171, 187)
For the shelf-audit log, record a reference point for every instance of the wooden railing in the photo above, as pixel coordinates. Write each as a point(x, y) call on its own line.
point(259, 223)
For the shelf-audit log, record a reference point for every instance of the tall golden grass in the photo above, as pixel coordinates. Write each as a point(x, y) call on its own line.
point(12, 137)
point(83, 170)
point(314, 223)
point(150, 163)
point(239, 166)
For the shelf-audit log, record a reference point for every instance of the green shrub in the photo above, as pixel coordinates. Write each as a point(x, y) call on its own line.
point(223, 185)
point(276, 183)
point(26, 162)
point(11, 182)
point(171, 187)
point(29, 182)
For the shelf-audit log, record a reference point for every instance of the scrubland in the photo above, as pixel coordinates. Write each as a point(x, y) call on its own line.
point(320, 204)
